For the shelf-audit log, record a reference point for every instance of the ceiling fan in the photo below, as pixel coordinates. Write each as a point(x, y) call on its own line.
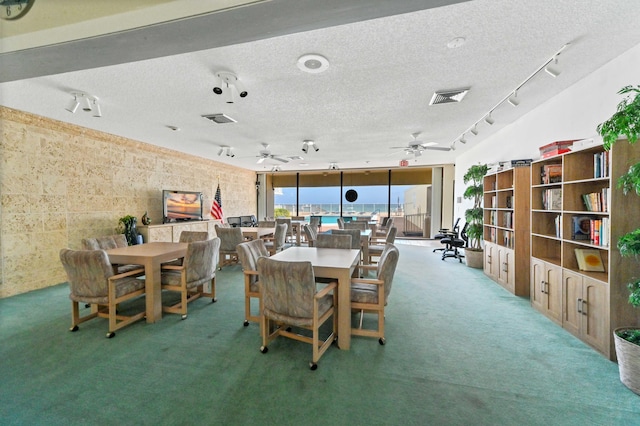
point(416, 147)
point(265, 154)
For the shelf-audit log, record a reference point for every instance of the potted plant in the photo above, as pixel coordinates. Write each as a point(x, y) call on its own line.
point(473, 253)
point(626, 122)
point(127, 225)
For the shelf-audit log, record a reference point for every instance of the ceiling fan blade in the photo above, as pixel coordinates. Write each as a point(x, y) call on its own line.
point(260, 160)
point(282, 160)
point(437, 148)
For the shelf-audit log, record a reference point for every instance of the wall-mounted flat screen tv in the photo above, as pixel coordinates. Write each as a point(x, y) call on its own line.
point(181, 205)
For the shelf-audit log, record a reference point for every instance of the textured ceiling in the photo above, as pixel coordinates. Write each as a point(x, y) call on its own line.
point(375, 94)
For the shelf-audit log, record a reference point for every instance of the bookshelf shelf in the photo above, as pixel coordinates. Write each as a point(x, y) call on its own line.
point(506, 228)
point(591, 214)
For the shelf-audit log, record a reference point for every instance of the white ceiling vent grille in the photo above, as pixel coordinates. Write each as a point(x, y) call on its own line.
point(448, 96)
point(220, 118)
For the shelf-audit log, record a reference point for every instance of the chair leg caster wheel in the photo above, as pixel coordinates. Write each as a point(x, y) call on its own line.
point(214, 300)
point(313, 366)
point(74, 328)
point(87, 305)
point(184, 317)
point(264, 349)
point(382, 341)
point(246, 323)
point(110, 334)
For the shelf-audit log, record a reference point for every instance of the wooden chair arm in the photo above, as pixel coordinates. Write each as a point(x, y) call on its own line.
point(172, 267)
point(366, 281)
point(139, 271)
point(249, 272)
point(326, 290)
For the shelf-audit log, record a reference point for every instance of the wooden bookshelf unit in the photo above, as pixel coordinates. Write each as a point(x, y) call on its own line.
point(586, 212)
point(506, 228)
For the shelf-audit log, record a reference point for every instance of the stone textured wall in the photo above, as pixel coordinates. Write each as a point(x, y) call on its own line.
point(60, 183)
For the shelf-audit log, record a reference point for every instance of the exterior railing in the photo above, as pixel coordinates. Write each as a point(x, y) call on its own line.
point(415, 225)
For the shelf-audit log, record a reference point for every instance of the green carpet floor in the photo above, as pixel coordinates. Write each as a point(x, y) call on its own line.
point(460, 351)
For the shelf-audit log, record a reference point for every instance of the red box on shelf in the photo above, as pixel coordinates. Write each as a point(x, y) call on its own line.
point(555, 148)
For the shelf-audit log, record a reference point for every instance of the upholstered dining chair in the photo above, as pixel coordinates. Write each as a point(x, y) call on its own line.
point(355, 236)
point(278, 241)
point(189, 237)
point(290, 299)
point(377, 246)
point(196, 276)
point(316, 221)
point(229, 240)
point(249, 252)
point(92, 281)
point(356, 224)
point(370, 295)
point(287, 220)
point(267, 224)
point(334, 241)
point(311, 234)
point(109, 242)
point(382, 230)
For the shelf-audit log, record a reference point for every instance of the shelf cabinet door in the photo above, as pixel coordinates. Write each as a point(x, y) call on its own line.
point(546, 289)
point(595, 324)
point(491, 260)
point(506, 268)
point(571, 302)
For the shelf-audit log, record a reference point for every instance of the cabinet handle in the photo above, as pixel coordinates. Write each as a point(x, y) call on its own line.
point(543, 285)
point(579, 305)
point(505, 267)
point(489, 259)
point(583, 307)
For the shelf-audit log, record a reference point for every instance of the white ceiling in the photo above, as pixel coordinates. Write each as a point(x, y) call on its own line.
point(383, 72)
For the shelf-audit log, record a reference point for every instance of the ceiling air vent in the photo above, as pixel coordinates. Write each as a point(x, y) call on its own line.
point(448, 96)
point(219, 118)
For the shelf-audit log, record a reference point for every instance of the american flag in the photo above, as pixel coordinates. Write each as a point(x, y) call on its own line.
point(216, 206)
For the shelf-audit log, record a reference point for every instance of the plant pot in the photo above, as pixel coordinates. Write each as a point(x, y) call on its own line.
point(474, 258)
point(628, 355)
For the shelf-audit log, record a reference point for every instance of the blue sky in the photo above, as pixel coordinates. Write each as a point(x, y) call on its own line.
point(328, 195)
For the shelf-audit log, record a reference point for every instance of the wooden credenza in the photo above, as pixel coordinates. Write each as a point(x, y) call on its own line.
point(170, 232)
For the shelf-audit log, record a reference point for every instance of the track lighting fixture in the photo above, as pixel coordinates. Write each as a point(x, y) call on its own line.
point(89, 103)
point(513, 99)
point(488, 119)
point(550, 66)
point(228, 150)
point(227, 84)
point(333, 166)
point(309, 144)
point(275, 169)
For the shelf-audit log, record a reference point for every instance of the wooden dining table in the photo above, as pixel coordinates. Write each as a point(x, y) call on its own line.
point(254, 232)
point(151, 256)
point(330, 263)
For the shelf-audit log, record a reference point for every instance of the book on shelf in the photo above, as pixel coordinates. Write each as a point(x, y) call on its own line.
point(552, 199)
point(508, 219)
point(589, 260)
point(521, 163)
point(509, 201)
point(557, 222)
point(597, 201)
point(551, 173)
point(601, 164)
point(508, 239)
point(581, 227)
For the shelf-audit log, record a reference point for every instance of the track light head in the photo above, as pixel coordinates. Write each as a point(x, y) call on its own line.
point(305, 147)
point(221, 151)
point(315, 148)
point(226, 83)
point(552, 68)
point(463, 140)
point(513, 99)
point(489, 120)
point(73, 106)
point(474, 129)
point(97, 111)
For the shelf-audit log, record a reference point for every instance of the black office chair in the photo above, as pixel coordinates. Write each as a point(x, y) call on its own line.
point(234, 222)
point(249, 221)
point(454, 243)
point(445, 232)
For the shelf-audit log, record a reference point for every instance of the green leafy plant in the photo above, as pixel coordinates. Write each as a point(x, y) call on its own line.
point(474, 192)
point(281, 212)
point(625, 121)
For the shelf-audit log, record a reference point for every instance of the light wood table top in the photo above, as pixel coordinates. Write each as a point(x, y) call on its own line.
point(151, 256)
point(330, 263)
point(256, 232)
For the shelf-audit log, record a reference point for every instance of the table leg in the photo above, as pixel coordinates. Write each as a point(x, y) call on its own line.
point(153, 291)
point(365, 252)
point(344, 309)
